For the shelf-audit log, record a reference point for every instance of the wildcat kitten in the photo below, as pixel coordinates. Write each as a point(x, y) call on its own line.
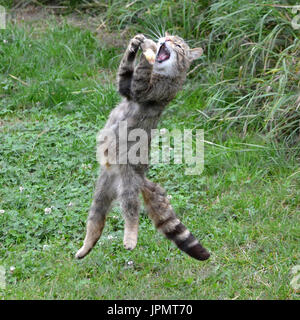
point(146, 89)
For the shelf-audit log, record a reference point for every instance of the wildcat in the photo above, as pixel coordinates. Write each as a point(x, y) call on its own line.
point(146, 89)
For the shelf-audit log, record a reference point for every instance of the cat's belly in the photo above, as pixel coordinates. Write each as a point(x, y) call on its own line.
point(128, 130)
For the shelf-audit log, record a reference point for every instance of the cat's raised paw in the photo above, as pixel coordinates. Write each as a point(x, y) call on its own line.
point(149, 50)
point(148, 44)
point(136, 41)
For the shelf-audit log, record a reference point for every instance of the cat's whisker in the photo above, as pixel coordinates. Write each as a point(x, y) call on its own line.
point(151, 33)
point(157, 29)
point(156, 37)
point(155, 33)
point(163, 30)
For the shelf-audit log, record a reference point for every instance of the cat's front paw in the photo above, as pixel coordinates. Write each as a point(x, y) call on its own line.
point(148, 44)
point(149, 50)
point(135, 42)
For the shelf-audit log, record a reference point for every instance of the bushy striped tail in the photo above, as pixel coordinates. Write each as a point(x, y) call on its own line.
point(162, 214)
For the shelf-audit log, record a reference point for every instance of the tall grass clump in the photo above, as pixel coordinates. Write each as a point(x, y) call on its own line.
point(251, 73)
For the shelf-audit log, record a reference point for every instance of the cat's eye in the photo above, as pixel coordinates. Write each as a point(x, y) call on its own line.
point(178, 45)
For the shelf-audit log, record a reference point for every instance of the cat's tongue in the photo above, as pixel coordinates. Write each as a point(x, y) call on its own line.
point(163, 53)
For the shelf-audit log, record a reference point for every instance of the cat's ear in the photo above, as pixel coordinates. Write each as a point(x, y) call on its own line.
point(195, 53)
point(167, 34)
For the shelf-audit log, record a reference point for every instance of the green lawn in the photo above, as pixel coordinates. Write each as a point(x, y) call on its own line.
point(57, 87)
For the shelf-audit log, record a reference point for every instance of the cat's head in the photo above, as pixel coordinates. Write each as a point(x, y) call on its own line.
point(174, 56)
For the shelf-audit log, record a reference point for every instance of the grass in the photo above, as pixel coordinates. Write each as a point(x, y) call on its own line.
point(57, 89)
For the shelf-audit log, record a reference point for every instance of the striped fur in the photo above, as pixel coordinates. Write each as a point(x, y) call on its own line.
point(162, 214)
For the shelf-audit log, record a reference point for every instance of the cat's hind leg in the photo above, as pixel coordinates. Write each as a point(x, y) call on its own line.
point(130, 204)
point(103, 197)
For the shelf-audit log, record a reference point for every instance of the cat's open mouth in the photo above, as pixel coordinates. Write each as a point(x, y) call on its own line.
point(163, 54)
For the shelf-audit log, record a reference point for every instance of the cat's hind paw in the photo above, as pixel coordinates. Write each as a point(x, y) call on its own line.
point(129, 243)
point(82, 252)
